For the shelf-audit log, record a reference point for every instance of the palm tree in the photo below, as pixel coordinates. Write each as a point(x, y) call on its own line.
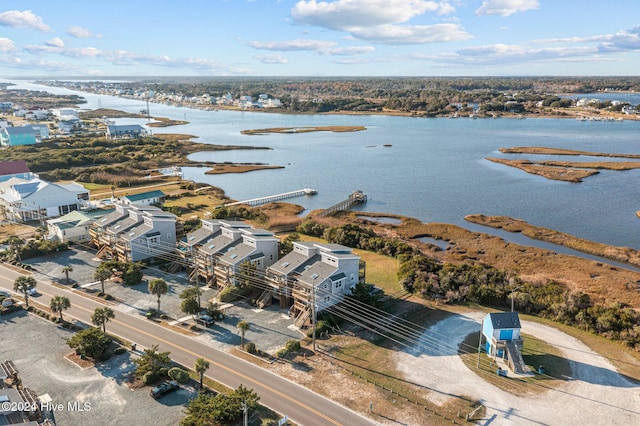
point(201, 366)
point(16, 243)
point(66, 271)
point(158, 287)
point(59, 303)
point(101, 317)
point(23, 284)
point(102, 274)
point(242, 326)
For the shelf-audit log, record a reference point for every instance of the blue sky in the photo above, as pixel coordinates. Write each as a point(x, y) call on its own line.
point(319, 38)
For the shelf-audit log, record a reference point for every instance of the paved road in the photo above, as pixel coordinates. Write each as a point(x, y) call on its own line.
point(300, 404)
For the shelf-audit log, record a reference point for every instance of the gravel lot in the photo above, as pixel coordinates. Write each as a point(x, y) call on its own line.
point(37, 347)
point(595, 395)
point(269, 328)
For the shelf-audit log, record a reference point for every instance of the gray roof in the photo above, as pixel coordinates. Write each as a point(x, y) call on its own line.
point(289, 263)
point(237, 254)
point(111, 218)
point(217, 244)
point(197, 237)
point(136, 232)
point(123, 225)
point(22, 130)
point(502, 320)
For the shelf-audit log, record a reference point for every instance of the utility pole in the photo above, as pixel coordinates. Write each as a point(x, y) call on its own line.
point(313, 312)
point(245, 409)
point(480, 341)
point(512, 296)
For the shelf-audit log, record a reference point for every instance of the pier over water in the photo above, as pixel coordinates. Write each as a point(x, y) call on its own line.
point(357, 197)
point(272, 198)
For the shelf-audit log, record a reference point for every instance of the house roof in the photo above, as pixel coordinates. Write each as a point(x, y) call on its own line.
point(289, 263)
point(13, 167)
point(502, 320)
point(22, 130)
point(125, 128)
point(145, 195)
point(70, 220)
point(198, 236)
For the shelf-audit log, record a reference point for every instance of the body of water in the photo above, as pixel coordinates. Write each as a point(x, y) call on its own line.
point(435, 169)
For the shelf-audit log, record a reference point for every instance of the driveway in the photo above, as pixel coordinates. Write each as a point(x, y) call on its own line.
point(595, 395)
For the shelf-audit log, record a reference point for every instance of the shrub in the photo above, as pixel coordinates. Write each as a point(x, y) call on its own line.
point(292, 346)
point(164, 371)
point(105, 356)
point(119, 351)
point(150, 377)
point(229, 294)
point(250, 347)
point(282, 353)
point(179, 375)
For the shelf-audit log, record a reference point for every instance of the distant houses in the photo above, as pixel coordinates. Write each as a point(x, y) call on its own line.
point(125, 131)
point(15, 136)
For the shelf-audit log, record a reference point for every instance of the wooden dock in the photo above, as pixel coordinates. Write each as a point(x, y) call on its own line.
point(272, 198)
point(357, 197)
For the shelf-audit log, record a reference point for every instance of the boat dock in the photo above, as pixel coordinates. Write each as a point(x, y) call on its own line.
point(272, 198)
point(357, 197)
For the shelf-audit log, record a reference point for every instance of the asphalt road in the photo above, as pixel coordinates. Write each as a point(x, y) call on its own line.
point(287, 398)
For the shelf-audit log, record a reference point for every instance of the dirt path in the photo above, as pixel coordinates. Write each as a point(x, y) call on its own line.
point(595, 395)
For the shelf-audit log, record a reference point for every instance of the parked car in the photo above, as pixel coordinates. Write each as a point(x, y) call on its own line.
point(164, 389)
point(205, 320)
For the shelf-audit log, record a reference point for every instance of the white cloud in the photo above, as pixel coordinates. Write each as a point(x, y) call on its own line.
point(23, 19)
point(347, 51)
point(380, 21)
point(506, 7)
point(345, 14)
point(79, 32)
point(271, 59)
point(293, 45)
point(415, 34)
point(6, 45)
point(55, 42)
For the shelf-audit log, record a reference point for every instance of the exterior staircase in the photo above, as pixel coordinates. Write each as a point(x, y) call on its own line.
point(515, 359)
point(265, 299)
point(104, 250)
point(303, 317)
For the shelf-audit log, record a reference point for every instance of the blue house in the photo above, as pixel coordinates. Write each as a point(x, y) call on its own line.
point(501, 331)
point(13, 136)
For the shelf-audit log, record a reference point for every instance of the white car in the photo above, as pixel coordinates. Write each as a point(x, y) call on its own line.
point(32, 291)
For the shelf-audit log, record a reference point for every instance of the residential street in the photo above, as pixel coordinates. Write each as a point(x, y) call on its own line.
point(298, 403)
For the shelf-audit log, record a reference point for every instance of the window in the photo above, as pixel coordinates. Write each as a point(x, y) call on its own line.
point(327, 299)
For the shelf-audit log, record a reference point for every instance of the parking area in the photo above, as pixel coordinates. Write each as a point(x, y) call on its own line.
point(269, 328)
point(38, 348)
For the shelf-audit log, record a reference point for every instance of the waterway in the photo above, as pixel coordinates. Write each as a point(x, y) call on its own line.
point(435, 169)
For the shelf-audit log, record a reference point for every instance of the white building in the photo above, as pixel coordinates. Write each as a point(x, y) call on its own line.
point(72, 227)
point(35, 199)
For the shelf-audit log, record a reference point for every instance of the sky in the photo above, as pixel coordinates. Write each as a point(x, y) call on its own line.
point(319, 38)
